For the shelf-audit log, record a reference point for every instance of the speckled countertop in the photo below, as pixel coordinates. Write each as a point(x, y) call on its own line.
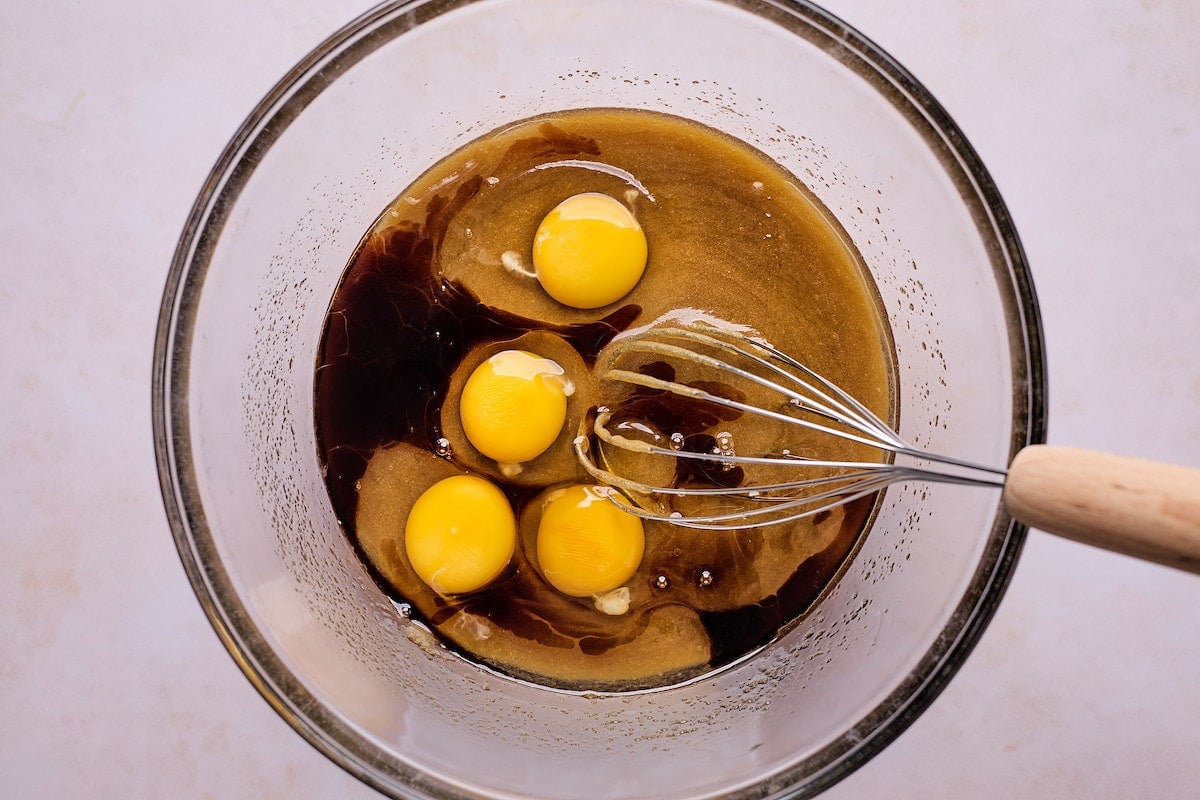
point(112, 683)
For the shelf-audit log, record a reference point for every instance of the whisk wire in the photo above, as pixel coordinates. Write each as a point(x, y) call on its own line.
point(834, 404)
point(650, 382)
point(735, 355)
point(786, 511)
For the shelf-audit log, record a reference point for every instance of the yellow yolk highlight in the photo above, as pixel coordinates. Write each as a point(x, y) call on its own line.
point(589, 251)
point(586, 545)
point(514, 405)
point(460, 534)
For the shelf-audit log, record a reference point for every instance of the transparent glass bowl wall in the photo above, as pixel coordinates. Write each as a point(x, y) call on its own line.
point(336, 141)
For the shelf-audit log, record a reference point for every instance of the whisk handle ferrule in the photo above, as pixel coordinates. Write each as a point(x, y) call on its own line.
point(1140, 508)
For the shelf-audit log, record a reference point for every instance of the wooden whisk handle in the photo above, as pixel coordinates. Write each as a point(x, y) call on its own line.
point(1141, 508)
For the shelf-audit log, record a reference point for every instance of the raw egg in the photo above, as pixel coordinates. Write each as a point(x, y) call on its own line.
point(589, 251)
point(586, 545)
point(460, 534)
point(513, 406)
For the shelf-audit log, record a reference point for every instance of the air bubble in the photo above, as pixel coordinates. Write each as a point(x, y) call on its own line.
point(442, 447)
point(724, 448)
point(705, 579)
point(662, 582)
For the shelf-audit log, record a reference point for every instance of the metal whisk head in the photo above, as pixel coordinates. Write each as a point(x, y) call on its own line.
point(731, 375)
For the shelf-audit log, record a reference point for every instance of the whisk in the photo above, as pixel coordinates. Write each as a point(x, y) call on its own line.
point(1141, 508)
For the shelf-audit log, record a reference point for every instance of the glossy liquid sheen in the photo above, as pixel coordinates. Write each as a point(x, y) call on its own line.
point(427, 297)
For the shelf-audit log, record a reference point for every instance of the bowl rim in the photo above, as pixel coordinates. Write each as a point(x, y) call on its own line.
point(197, 550)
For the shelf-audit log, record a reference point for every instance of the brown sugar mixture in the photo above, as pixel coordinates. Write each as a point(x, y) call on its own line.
point(440, 284)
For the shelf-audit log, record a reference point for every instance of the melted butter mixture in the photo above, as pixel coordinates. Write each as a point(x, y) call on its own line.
point(444, 287)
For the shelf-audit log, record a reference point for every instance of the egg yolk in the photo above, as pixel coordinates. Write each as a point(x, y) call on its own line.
point(513, 406)
point(586, 545)
point(589, 251)
point(460, 534)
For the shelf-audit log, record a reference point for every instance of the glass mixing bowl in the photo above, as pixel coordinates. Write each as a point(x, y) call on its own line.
point(272, 230)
